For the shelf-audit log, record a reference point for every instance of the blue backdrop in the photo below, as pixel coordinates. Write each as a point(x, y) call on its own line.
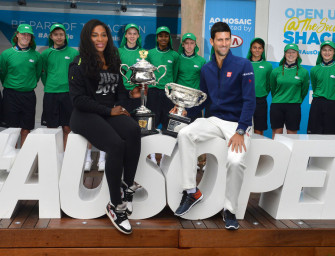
point(73, 22)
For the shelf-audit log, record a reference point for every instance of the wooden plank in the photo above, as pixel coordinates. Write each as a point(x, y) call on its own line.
point(105, 223)
point(32, 218)
point(198, 224)
point(210, 223)
point(42, 223)
point(256, 238)
point(92, 251)
point(324, 251)
point(88, 182)
point(253, 222)
point(301, 223)
point(275, 251)
point(97, 179)
point(290, 224)
point(254, 202)
point(260, 218)
point(5, 223)
point(90, 237)
point(23, 214)
point(187, 224)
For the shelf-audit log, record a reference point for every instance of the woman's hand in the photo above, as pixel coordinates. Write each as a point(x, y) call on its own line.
point(174, 110)
point(118, 110)
point(136, 92)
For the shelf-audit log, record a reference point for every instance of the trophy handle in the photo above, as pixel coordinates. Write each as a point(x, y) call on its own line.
point(167, 91)
point(202, 97)
point(160, 66)
point(121, 71)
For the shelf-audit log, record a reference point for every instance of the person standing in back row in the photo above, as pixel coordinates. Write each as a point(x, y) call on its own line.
point(322, 112)
point(57, 106)
point(262, 70)
point(20, 70)
point(289, 86)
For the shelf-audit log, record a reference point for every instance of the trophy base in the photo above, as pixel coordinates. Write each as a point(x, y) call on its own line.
point(147, 123)
point(175, 124)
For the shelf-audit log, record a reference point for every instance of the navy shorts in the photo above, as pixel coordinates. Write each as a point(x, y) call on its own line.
point(261, 114)
point(19, 109)
point(285, 113)
point(57, 109)
point(321, 116)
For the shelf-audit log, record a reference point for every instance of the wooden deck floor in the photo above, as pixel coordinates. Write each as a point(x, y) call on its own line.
point(164, 234)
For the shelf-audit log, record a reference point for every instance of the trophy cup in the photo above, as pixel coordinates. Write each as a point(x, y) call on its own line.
point(183, 97)
point(143, 74)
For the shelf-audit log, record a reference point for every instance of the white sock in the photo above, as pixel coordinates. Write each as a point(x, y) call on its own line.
point(88, 155)
point(102, 156)
point(153, 156)
point(191, 190)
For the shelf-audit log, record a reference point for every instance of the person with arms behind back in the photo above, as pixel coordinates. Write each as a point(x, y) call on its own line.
point(20, 70)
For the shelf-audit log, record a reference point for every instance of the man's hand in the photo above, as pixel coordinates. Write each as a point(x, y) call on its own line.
point(237, 142)
point(174, 110)
point(118, 110)
point(136, 92)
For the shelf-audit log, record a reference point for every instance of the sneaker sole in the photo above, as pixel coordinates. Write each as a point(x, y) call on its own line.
point(181, 214)
point(116, 226)
point(231, 227)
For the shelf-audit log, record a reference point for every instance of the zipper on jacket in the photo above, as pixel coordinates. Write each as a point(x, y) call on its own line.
point(219, 76)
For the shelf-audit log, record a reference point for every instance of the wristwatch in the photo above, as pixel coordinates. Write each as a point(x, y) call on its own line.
point(240, 131)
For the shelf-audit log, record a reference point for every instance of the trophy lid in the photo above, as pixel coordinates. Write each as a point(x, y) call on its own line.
point(143, 65)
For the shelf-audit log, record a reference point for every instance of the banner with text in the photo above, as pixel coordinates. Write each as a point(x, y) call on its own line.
point(74, 22)
point(306, 24)
point(239, 15)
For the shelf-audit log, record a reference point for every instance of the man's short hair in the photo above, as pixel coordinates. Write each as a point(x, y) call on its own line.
point(219, 27)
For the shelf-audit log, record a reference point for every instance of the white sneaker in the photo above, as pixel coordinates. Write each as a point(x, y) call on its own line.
point(101, 166)
point(118, 217)
point(88, 165)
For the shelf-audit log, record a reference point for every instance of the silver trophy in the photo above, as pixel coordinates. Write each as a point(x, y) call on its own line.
point(143, 74)
point(183, 97)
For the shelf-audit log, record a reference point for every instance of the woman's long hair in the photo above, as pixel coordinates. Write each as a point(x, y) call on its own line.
point(89, 54)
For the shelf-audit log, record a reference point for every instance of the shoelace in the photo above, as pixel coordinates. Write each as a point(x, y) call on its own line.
point(184, 198)
point(121, 216)
point(230, 216)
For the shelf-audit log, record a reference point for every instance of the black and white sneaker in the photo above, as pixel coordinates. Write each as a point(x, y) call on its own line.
point(127, 195)
point(230, 220)
point(119, 217)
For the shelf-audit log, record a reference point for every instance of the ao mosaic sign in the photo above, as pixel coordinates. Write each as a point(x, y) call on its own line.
point(295, 175)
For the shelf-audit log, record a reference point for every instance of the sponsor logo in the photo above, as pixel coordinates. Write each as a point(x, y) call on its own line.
point(67, 57)
point(261, 67)
point(229, 74)
point(332, 76)
point(31, 60)
point(248, 74)
point(296, 77)
point(236, 41)
point(170, 61)
point(196, 66)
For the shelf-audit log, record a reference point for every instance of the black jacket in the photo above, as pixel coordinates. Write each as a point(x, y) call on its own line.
point(83, 90)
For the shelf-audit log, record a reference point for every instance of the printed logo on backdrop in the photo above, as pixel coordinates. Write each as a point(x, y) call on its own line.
point(239, 15)
point(74, 22)
point(306, 24)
